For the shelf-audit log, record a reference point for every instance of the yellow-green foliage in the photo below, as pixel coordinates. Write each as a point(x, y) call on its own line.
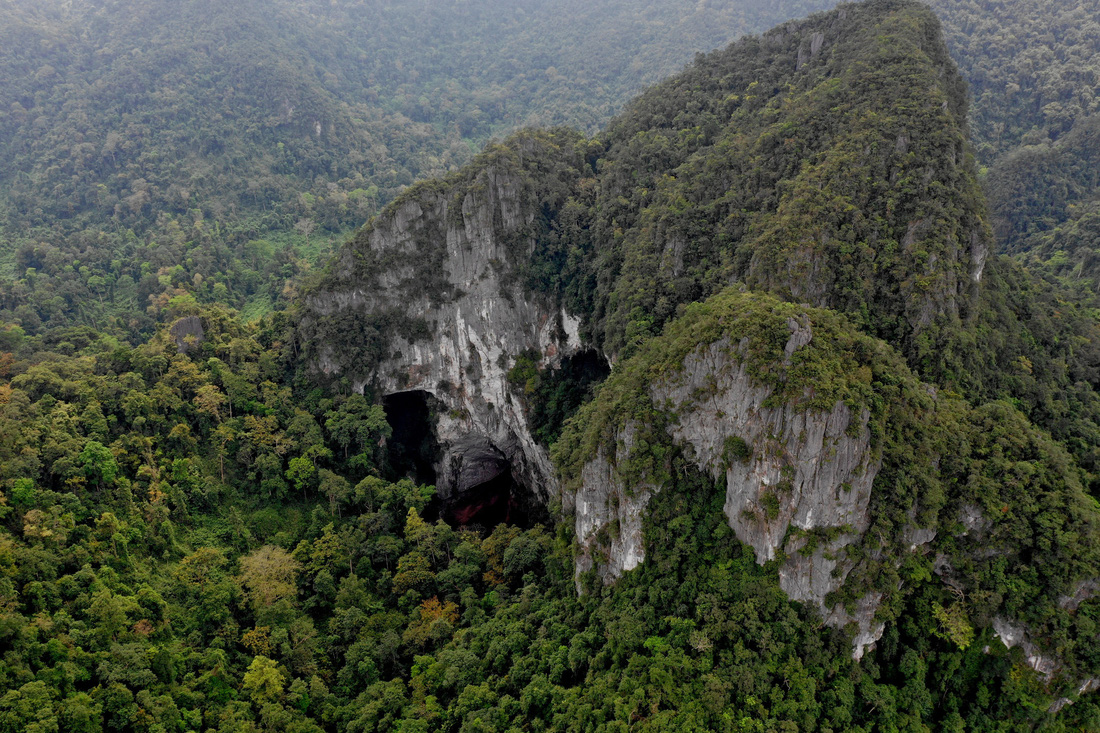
point(838, 364)
point(954, 625)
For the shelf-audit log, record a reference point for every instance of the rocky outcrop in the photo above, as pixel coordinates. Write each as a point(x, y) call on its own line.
point(1090, 685)
point(798, 481)
point(1044, 661)
point(1082, 591)
point(444, 259)
point(1012, 634)
point(187, 334)
point(806, 469)
point(608, 514)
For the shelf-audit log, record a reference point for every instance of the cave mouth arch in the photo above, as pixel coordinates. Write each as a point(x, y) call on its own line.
point(487, 492)
point(489, 504)
point(477, 484)
point(412, 447)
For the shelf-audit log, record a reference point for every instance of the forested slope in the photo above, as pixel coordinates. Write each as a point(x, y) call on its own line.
point(831, 173)
point(1032, 67)
point(198, 533)
point(156, 149)
point(1033, 70)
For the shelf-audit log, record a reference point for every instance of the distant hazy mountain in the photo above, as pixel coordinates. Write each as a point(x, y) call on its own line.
point(201, 126)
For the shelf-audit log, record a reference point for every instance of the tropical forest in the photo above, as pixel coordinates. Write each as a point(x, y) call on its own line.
point(595, 367)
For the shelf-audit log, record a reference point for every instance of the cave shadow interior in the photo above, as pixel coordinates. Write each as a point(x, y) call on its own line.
point(412, 446)
point(413, 452)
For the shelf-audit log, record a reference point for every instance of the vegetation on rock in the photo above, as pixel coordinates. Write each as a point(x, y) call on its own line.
point(196, 536)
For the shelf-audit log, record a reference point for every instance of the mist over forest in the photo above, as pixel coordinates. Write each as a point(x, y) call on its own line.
point(722, 365)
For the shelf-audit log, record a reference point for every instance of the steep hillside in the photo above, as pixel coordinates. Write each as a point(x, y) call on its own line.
point(431, 297)
point(826, 163)
point(154, 150)
point(840, 467)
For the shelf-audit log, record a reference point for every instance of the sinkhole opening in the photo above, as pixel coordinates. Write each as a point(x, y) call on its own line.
point(412, 446)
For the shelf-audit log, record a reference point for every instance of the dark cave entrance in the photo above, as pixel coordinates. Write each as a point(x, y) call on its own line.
point(498, 500)
point(485, 491)
point(587, 367)
point(560, 392)
point(412, 446)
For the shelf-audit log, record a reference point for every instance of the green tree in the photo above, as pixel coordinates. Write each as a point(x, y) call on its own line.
point(29, 709)
point(99, 464)
point(357, 422)
point(263, 682)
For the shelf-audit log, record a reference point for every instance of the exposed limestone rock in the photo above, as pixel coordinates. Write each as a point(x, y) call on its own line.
point(187, 333)
point(1082, 591)
point(916, 536)
point(810, 50)
point(805, 470)
point(810, 577)
point(801, 334)
point(972, 520)
point(479, 324)
point(604, 504)
point(1088, 685)
point(1012, 635)
point(869, 631)
point(941, 566)
point(979, 253)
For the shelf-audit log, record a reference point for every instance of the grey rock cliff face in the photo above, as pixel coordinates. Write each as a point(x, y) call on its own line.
point(605, 505)
point(478, 327)
point(1012, 634)
point(810, 471)
point(187, 333)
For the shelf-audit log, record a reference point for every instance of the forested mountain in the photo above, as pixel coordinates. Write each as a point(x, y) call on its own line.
point(155, 149)
point(1034, 69)
point(825, 162)
point(725, 416)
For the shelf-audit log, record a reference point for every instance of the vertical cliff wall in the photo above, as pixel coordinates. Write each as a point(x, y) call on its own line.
point(431, 296)
point(795, 458)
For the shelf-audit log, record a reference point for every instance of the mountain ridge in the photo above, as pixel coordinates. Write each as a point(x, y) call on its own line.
point(824, 163)
point(557, 443)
